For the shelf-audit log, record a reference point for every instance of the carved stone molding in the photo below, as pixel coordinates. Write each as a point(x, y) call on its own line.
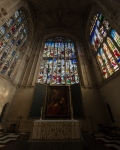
point(59, 130)
point(56, 129)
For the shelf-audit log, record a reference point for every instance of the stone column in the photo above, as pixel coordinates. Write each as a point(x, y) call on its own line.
point(85, 68)
point(26, 50)
point(30, 62)
point(17, 66)
point(34, 65)
point(37, 67)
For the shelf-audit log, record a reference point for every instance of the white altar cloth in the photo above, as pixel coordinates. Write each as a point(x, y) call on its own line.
point(56, 129)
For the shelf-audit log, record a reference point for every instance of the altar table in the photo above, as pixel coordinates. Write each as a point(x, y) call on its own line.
point(56, 129)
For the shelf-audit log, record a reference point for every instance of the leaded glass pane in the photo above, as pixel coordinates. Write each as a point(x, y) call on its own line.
point(116, 37)
point(107, 53)
point(59, 64)
point(10, 40)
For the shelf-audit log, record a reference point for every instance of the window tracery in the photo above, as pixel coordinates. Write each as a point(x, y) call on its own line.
point(105, 42)
point(59, 64)
point(13, 35)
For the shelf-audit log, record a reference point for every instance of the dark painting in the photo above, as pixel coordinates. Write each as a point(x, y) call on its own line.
point(57, 104)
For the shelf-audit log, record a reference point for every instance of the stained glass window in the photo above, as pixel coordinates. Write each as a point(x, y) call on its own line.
point(13, 35)
point(116, 37)
point(59, 64)
point(105, 42)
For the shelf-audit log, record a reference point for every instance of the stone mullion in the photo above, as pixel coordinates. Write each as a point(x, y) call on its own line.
point(29, 81)
point(11, 37)
point(79, 70)
point(8, 55)
point(18, 76)
point(17, 51)
point(77, 51)
point(82, 68)
point(97, 70)
point(21, 44)
point(11, 48)
point(15, 70)
point(90, 68)
point(12, 76)
point(26, 76)
point(23, 70)
point(27, 71)
point(31, 76)
point(88, 72)
point(32, 70)
point(3, 50)
point(14, 46)
point(9, 28)
point(111, 50)
point(96, 67)
point(25, 62)
point(82, 62)
point(13, 60)
point(37, 69)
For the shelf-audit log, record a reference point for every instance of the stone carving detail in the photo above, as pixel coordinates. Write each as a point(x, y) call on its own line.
point(56, 130)
point(3, 11)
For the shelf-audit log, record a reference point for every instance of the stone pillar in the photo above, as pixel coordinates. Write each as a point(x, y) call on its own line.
point(85, 68)
point(16, 68)
point(26, 50)
point(34, 65)
point(30, 62)
point(37, 68)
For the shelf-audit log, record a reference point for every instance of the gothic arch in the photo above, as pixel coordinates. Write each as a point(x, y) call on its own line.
point(81, 57)
point(96, 8)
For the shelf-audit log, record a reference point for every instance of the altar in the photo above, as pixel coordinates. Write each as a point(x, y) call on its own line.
point(57, 112)
point(56, 129)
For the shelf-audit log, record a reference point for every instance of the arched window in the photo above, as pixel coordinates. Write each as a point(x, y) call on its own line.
point(59, 65)
point(13, 35)
point(105, 42)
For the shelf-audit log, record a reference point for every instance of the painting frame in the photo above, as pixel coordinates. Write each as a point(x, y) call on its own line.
point(57, 103)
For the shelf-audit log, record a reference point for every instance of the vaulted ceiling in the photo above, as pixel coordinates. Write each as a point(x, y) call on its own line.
point(69, 14)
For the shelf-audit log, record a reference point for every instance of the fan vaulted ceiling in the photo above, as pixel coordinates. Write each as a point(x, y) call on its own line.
point(69, 14)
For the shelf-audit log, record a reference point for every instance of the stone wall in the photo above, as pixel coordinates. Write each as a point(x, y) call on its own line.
point(7, 91)
point(21, 105)
point(94, 106)
point(22, 100)
point(110, 92)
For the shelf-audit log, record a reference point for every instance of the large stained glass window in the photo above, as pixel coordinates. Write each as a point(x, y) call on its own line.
point(105, 42)
point(13, 35)
point(59, 64)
